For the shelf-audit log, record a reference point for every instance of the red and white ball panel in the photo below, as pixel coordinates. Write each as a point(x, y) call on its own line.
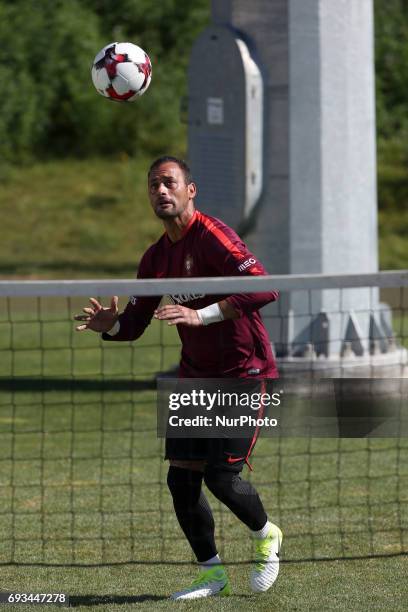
point(128, 78)
point(135, 53)
point(102, 52)
point(100, 80)
point(121, 71)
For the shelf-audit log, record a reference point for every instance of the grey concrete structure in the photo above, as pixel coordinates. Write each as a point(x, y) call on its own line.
point(318, 208)
point(226, 124)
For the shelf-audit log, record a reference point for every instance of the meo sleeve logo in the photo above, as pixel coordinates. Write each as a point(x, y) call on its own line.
point(246, 264)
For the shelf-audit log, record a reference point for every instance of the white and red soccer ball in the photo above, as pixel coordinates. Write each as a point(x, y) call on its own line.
point(121, 71)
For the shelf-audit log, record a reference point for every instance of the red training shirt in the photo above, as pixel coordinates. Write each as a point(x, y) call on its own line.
point(232, 348)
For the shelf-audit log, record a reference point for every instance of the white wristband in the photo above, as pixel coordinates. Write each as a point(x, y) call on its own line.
point(114, 330)
point(210, 314)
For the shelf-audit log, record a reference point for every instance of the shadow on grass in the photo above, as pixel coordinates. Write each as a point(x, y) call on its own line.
point(103, 600)
point(20, 383)
point(123, 269)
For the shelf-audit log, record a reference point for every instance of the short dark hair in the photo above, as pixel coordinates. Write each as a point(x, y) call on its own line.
point(175, 160)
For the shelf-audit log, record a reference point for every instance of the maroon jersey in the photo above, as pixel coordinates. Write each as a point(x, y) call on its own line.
point(231, 348)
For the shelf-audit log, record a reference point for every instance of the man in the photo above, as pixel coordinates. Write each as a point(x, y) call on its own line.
point(221, 338)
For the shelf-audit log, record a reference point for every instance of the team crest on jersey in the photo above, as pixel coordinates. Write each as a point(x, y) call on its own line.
point(188, 264)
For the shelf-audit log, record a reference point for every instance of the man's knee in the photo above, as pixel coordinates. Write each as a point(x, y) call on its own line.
point(184, 485)
point(238, 495)
point(221, 482)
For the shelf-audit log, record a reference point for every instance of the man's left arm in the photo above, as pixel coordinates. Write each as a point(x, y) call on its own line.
point(230, 257)
point(244, 303)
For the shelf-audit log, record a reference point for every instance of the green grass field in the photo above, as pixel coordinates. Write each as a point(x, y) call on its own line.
point(92, 219)
point(375, 584)
point(87, 483)
point(82, 481)
point(76, 219)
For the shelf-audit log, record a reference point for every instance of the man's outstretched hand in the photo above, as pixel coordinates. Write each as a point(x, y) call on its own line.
point(97, 318)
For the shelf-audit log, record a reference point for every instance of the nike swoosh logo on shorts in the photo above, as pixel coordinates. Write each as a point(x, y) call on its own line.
point(234, 459)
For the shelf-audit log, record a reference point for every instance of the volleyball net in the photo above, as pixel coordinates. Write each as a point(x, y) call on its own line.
point(82, 475)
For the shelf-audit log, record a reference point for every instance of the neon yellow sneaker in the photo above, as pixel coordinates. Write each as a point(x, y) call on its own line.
point(211, 582)
point(266, 568)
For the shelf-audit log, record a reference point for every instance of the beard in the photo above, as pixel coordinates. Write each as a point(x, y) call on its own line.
point(167, 213)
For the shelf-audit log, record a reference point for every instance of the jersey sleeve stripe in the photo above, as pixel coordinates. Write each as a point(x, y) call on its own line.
point(229, 245)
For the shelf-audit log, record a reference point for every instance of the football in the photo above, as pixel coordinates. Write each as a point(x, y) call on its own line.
point(121, 72)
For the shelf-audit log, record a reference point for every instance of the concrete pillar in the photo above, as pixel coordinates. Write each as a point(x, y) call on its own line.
point(318, 209)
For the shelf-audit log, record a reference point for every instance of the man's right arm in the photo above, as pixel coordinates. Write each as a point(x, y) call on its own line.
point(132, 322)
point(128, 325)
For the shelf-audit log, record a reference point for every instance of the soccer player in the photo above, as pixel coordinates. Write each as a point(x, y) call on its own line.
point(222, 337)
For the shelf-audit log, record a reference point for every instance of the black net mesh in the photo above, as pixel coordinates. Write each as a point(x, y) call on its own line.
point(82, 475)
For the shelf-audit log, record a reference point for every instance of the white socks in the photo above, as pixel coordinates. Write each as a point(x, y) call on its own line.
point(262, 533)
point(213, 561)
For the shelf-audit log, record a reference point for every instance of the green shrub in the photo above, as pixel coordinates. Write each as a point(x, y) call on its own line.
point(49, 106)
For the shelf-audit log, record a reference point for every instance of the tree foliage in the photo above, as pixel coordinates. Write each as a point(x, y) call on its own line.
point(391, 35)
point(50, 108)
